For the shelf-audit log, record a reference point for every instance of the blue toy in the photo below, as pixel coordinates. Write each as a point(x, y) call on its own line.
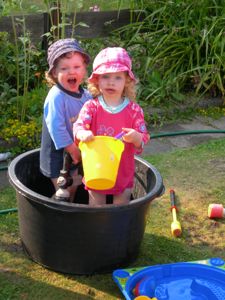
point(198, 280)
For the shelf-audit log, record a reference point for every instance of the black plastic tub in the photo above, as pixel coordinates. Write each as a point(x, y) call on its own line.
point(73, 237)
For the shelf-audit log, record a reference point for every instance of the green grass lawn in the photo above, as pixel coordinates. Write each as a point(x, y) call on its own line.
point(197, 176)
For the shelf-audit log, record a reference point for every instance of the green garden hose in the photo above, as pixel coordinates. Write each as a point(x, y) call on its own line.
point(3, 168)
point(153, 136)
point(186, 132)
point(9, 210)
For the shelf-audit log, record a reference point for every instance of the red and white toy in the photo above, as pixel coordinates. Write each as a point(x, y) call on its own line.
point(216, 211)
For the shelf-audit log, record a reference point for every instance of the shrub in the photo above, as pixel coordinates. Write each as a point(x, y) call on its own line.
point(21, 135)
point(180, 46)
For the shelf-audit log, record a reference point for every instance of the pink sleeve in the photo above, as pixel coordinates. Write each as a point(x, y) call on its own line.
point(85, 118)
point(140, 126)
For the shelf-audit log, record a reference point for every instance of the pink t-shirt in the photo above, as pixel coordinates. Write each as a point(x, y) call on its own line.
point(101, 122)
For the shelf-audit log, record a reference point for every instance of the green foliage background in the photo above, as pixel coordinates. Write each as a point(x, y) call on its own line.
point(177, 48)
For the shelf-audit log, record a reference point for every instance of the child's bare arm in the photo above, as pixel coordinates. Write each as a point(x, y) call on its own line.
point(74, 152)
point(132, 136)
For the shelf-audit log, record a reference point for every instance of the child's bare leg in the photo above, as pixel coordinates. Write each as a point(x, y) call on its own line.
point(54, 181)
point(96, 198)
point(123, 198)
point(77, 180)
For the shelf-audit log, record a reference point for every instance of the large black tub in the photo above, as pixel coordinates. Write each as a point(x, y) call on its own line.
point(73, 237)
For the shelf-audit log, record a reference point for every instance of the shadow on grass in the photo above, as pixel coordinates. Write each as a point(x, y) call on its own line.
point(155, 250)
point(17, 286)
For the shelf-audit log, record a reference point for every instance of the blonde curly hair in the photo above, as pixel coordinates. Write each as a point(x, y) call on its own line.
point(129, 90)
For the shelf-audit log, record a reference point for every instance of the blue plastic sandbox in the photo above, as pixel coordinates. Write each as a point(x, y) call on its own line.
point(199, 280)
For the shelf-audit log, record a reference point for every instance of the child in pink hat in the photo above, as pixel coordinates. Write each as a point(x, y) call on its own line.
point(112, 84)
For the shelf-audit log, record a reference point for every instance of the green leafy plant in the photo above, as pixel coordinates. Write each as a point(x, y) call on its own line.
point(177, 49)
point(58, 12)
point(7, 60)
point(21, 135)
point(180, 41)
point(20, 60)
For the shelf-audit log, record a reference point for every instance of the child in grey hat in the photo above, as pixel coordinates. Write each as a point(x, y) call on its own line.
point(67, 70)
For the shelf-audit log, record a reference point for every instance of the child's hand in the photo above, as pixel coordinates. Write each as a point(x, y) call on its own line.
point(85, 135)
point(132, 136)
point(74, 152)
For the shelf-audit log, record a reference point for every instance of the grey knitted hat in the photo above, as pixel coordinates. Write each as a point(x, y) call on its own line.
point(64, 46)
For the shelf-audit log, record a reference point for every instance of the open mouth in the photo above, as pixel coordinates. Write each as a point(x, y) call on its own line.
point(72, 81)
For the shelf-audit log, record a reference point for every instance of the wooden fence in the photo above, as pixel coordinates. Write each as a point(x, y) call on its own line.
point(99, 24)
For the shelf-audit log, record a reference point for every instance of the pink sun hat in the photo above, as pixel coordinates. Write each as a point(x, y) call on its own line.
point(111, 60)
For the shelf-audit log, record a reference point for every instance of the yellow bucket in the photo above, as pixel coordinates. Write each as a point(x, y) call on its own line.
point(101, 159)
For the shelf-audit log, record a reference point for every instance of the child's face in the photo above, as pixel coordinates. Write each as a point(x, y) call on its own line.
point(70, 71)
point(112, 85)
